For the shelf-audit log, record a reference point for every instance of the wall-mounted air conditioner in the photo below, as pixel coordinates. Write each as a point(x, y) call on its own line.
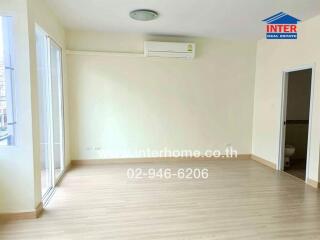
point(169, 49)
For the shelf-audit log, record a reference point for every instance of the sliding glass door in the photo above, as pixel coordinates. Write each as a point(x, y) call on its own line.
point(50, 94)
point(57, 108)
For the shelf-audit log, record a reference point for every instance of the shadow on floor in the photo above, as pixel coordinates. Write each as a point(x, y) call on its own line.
point(297, 168)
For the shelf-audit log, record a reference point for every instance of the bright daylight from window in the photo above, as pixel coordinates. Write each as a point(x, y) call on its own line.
point(6, 117)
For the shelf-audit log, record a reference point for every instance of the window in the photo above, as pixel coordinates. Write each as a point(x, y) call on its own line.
point(7, 121)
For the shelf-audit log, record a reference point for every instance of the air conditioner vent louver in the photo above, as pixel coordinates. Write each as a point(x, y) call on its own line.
point(169, 49)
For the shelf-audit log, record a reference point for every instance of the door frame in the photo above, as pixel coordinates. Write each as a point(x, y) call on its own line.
point(284, 90)
point(61, 119)
point(53, 179)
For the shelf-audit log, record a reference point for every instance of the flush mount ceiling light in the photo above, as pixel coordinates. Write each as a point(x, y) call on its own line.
point(144, 15)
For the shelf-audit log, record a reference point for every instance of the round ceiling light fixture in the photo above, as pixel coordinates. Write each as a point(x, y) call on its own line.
point(143, 15)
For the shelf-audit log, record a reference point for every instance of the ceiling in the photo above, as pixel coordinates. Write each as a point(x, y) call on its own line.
point(230, 19)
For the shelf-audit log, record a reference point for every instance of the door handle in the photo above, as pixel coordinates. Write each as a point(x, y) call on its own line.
point(12, 123)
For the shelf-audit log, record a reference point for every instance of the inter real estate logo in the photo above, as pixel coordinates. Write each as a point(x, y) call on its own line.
point(281, 26)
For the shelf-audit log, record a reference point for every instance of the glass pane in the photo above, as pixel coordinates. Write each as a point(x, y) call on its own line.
point(6, 89)
point(44, 95)
point(57, 108)
point(50, 111)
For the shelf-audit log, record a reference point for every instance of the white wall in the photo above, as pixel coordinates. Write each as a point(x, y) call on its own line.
point(120, 104)
point(272, 58)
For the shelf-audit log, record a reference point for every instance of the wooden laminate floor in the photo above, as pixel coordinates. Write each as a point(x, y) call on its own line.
point(241, 199)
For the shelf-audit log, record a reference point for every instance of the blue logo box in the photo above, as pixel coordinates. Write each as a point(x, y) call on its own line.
point(281, 26)
point(281, 35)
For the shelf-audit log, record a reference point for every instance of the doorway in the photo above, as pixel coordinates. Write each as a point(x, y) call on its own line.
point(297, 97)
point(51, 119)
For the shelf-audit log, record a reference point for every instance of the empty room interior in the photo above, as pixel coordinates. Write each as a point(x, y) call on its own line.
point(171, 119)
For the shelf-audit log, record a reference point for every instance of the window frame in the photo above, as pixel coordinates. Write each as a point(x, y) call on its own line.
point(9, 43)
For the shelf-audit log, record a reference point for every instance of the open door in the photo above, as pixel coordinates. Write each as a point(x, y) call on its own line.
point(295, 130)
